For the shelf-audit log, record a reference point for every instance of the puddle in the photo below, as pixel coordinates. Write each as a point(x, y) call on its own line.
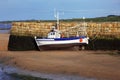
point(10, 70)
point(4, 76)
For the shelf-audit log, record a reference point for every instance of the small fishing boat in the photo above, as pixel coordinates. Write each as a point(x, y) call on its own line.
point(55, 40)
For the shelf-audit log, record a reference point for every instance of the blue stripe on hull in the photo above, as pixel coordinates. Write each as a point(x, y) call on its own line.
point(72, 38)
point(60, 39)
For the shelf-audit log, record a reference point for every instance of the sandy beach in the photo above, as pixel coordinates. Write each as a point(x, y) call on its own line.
point(93, 64)
point(4, 38)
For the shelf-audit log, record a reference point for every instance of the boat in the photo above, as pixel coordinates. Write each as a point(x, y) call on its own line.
point(55, 40)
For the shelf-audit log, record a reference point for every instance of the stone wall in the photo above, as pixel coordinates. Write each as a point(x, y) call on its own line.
point(98, 29)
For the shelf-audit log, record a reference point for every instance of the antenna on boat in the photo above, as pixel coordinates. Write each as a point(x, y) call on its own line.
point(84, 25)
point(56, 15)
point(83, 21)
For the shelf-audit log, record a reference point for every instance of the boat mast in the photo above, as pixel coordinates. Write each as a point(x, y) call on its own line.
point(84, 25)
point(56, 14)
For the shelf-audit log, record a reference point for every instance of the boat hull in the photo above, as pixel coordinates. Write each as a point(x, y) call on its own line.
point(60, 43)
point(59, 46)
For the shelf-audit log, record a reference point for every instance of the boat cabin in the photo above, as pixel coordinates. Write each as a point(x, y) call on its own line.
point(54, 33)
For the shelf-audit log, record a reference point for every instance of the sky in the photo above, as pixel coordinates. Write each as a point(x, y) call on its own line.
point(68, 9)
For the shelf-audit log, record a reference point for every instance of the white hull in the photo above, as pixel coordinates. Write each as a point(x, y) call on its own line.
point(61, 42)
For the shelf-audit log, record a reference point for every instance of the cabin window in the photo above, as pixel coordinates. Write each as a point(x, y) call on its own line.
point(53, 33)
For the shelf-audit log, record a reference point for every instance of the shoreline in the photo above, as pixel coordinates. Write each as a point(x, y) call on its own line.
point(18, 71)
point(5, 31)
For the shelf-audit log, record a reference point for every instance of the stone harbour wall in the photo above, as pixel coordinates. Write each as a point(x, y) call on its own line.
point(93, 29)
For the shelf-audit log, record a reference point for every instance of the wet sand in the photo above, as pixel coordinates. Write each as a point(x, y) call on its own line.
point(4, 42)
point(92, 64)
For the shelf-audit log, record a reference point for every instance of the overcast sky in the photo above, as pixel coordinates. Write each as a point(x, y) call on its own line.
point(44, 9)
